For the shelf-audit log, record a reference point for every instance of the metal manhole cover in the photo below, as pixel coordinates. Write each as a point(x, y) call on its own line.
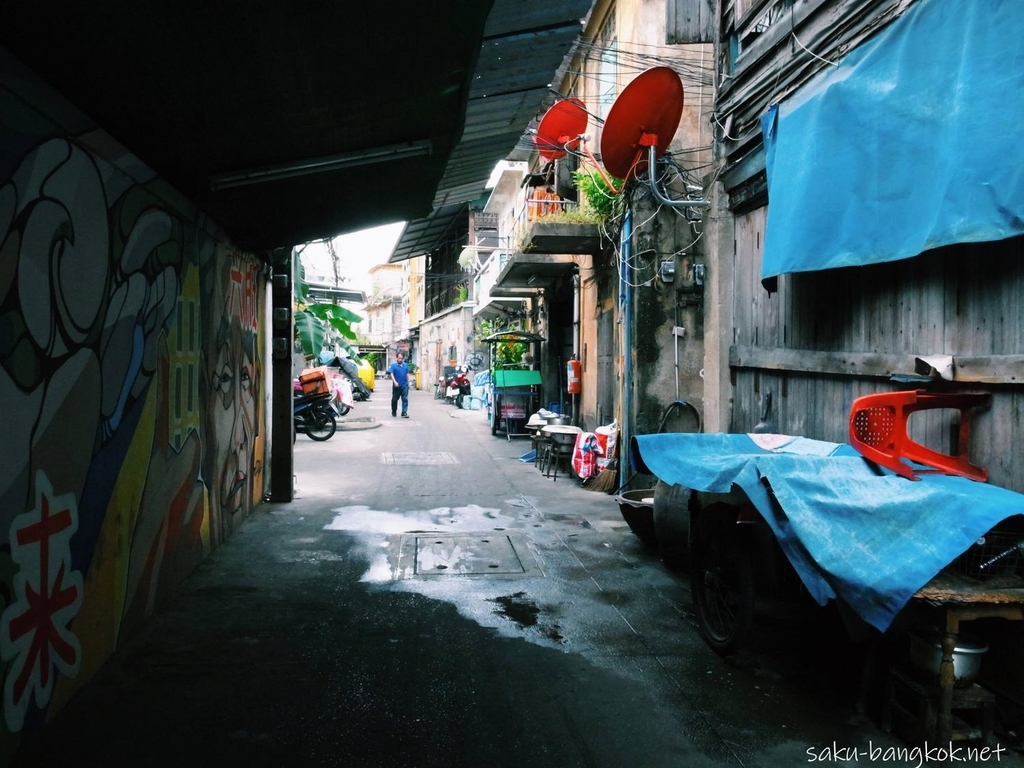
point(466, 555)
point(420, 458)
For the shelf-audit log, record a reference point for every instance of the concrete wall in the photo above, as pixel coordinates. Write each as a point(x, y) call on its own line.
point(452, 328)
point(133, 394)
point(666, 366)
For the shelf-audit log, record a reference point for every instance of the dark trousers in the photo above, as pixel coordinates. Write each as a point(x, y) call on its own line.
point(396, 393)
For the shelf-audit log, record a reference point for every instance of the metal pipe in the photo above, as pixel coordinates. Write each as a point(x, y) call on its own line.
point(652, 164)
point(575, 340)
point(626, 283)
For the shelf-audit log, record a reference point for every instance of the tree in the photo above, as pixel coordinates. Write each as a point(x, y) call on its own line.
point(314, 320)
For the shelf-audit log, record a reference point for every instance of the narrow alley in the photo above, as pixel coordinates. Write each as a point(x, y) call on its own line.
point(430, 600)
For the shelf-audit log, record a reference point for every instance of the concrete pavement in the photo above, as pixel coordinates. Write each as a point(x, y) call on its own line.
point(430, 600)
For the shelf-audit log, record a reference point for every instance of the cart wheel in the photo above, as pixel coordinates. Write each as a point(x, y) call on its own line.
point(721, 580)
point(672, 524)
point(496, 415)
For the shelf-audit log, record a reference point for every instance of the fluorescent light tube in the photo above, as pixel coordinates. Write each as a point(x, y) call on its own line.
point(313, 165)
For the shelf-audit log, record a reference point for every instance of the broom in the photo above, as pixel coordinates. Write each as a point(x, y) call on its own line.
point(606, 480)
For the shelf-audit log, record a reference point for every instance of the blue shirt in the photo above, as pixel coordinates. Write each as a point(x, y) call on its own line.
point(400, 372)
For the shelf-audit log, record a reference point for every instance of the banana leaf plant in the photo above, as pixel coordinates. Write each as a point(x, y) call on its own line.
point(313, 319)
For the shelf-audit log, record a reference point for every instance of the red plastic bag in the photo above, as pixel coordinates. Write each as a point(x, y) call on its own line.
point(584, 455)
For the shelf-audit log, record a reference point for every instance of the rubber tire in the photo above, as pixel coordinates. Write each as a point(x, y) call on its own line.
point(321, 426)
point(721, 580)
point(672, 524)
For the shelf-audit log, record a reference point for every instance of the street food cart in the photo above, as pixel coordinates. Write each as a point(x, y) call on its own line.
point(515, 389)
point(854, 531)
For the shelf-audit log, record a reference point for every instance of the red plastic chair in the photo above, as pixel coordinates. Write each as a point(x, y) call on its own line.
point(878, 430)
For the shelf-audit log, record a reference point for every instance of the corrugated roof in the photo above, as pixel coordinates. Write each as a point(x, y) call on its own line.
point(525, 45)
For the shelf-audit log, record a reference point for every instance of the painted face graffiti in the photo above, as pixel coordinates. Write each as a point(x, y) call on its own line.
point(233, 381)
point(233, 416)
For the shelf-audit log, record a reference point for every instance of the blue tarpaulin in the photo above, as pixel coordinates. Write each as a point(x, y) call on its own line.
point(871, 539)
point(912, 142)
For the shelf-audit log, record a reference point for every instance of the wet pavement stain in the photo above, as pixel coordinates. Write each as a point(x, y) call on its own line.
point(613, 598)
point(523, 612)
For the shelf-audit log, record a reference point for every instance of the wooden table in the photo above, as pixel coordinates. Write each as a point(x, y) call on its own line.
point(961, 598)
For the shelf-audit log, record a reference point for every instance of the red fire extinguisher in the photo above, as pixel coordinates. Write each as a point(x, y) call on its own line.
point(572, 372)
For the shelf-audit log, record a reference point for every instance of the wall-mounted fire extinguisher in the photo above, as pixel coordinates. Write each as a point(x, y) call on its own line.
point(572, 376)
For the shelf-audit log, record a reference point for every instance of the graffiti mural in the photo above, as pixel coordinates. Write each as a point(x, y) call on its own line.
point(131, 381)
point(231, 384)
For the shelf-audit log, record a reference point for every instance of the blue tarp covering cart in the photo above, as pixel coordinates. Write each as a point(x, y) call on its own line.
point(850, 529)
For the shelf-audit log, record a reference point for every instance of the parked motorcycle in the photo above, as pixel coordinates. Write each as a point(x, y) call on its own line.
point(347, 367)
point(314, 415)
point(441, 389)
point(340, 387)
point(461, 386)
point(453, 387)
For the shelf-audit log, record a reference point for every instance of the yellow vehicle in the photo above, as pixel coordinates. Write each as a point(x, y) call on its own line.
point(366, 372)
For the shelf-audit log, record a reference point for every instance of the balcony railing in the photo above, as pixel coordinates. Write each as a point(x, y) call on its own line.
point(537, 206)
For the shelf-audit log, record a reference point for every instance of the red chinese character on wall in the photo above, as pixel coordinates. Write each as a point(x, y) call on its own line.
point(34, 629)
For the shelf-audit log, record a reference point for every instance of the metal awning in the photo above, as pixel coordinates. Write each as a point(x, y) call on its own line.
point(514, 337)
point(505, 99)
point(499, 307)
point(534, 270)
point(332, 293)
point(422, 235)
point(505, 292)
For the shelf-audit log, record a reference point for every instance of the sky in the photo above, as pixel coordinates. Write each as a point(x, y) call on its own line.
point(357, 253)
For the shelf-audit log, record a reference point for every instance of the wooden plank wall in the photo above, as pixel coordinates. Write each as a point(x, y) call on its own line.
point(826, 338)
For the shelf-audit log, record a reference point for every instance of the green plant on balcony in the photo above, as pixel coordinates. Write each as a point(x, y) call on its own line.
point(599, 199)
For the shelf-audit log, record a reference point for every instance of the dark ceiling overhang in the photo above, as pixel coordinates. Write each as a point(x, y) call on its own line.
point(224, 88)
point(534, 270)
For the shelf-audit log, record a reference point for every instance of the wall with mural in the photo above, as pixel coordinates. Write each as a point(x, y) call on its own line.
point(133, 397)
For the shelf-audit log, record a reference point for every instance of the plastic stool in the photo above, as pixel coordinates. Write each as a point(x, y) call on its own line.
point(878, 430)
point(556, 452)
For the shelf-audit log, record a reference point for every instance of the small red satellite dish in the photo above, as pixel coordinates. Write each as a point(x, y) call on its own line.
point(650, 105)
point(561, 124)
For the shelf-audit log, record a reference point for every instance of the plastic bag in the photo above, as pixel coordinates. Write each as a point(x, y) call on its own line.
point(585, 454)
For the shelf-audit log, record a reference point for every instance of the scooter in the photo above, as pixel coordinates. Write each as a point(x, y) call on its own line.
point(461, 384)
point(457, 386)
point(314, 415)
point(347, 368)
point(342, 398)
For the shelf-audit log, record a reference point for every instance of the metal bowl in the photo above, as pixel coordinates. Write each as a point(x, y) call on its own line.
point(556, 420)
point(926, 656)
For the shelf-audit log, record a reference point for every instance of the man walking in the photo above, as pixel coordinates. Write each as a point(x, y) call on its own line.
point(399, 372)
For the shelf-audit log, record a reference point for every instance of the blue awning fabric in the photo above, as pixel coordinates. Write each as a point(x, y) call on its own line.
point(912, 142)
point(870, 539)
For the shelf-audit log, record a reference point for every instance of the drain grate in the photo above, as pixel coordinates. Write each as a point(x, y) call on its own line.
point(419, 458)
point(466, 555)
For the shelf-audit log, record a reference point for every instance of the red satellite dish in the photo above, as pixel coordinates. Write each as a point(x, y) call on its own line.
point(649, 106)
point(561, 125)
